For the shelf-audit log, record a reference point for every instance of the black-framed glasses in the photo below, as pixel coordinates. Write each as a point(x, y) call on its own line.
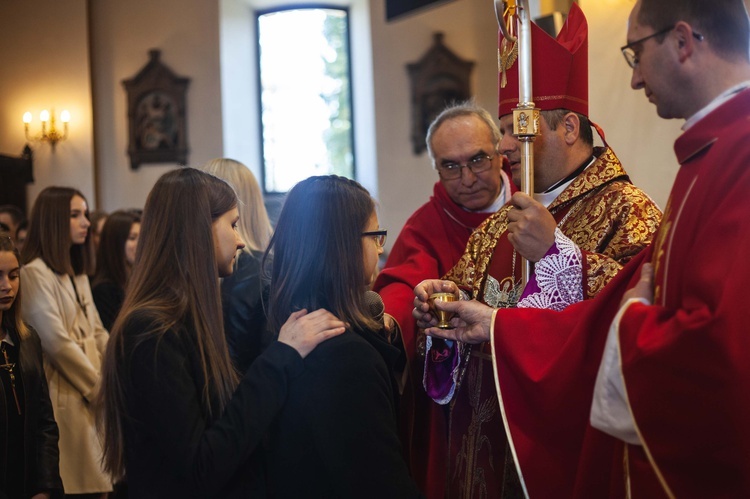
point(478, 164)
point(379, 235)
point(630, 56)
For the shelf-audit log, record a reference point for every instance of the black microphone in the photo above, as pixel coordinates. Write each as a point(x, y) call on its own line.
point(375, 305)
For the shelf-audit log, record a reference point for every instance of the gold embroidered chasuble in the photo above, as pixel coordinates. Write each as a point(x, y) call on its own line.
point(610, 220)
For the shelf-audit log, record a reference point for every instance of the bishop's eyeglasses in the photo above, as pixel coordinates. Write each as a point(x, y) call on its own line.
point(379, 236)
point(478, 164)
point(630, 56)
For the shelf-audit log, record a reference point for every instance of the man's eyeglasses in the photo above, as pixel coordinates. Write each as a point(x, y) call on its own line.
point(632, 59)
point(379, 236)
point(477, 164)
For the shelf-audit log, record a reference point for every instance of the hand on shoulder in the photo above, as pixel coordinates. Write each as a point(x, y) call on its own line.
point(304, 331)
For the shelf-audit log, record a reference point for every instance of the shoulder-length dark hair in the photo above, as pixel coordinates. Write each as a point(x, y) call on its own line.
point(175, 281)
point(111, 264)
point(11, 317)
point(49, 233)
point(317, 251)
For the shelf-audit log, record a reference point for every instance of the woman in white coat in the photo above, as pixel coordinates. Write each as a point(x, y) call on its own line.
point(59, 305)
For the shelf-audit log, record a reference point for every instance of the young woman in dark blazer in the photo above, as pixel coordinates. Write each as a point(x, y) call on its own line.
point(336, 435)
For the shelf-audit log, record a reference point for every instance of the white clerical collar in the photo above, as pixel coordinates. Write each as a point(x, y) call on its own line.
point(498, 203)
point(546, 198)
point(718, 101)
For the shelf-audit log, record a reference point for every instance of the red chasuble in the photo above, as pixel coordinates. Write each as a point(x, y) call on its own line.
point(695, 340)
point(684, 359)
point(431, 242)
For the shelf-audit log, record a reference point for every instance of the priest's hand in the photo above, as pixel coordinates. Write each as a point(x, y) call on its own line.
point(644, 288)
point(531, 227)
point(471, 323)
point(422, 292)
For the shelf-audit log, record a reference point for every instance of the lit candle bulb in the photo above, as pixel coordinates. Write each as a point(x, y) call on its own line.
point(44, 117)
point(26, 121)
point(65, 116)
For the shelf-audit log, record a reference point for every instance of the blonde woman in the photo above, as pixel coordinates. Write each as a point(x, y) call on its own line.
point(242, 292)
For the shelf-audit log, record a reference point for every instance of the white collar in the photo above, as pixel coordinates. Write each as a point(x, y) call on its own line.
point(498, 203)
point(546, 198)
point(718, 101)
point(8, 339)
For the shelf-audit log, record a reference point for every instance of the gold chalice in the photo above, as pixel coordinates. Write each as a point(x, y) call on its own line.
point(444, 317)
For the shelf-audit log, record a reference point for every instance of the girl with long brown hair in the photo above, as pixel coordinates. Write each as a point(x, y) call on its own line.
point(177, 420)
point(59, 306)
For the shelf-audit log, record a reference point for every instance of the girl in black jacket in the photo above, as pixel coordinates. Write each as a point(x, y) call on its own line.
point(336, 435)
point(28, 433)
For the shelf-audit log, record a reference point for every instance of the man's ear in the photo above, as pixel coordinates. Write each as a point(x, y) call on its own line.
point(683, 34)
point(572, 125)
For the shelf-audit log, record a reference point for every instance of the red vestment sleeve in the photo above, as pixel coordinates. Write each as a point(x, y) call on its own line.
point(546, 364)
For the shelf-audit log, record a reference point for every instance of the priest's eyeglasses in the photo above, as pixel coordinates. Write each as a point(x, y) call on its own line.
point(632, 58)
point(379, 236)
point(478, 164)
